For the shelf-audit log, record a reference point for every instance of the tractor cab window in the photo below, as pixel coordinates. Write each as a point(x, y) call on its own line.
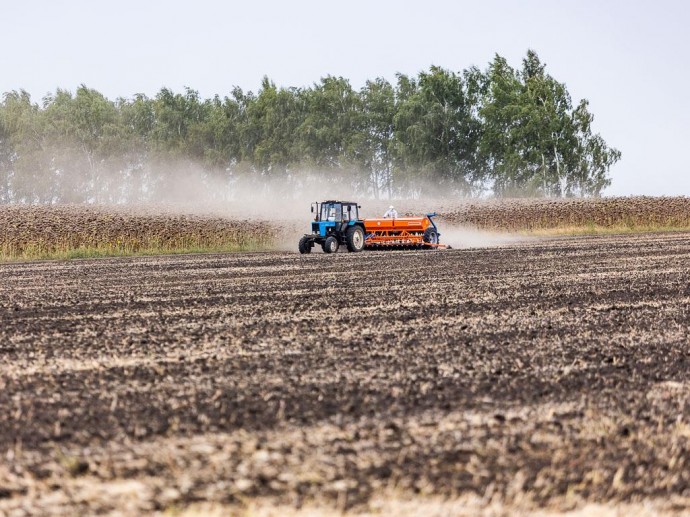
point(352, 212)
point(330, 213)
point(349, 212)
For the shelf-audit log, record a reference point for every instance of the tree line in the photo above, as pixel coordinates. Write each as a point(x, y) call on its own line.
point(503, 131)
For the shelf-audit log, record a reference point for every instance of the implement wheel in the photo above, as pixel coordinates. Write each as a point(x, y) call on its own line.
point(305, 245)
point(330, 245)
point(354, 238)
point(430, 237)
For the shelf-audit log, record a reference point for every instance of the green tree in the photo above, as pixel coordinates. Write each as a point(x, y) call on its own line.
point(137, 119)
point(6, 159)
point(273, 119)
point(437, 133)
point(30, 179)
point(327, 135)
point(500, 110)
point(222, 133)
point(534, 142)
point(85, 139)
point(177, 118)
point(374, 140)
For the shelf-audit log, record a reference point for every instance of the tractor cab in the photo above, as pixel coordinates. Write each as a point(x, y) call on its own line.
point(335, 211)
point(335, 223)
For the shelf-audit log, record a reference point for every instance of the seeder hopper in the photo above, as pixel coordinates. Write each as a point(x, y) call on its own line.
point(337, 223)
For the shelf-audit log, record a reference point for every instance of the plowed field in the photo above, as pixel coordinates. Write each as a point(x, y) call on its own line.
point(551, 374)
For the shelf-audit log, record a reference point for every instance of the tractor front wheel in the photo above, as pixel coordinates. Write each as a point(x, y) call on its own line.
point(330, 245)
point(305, 245)
point(355, 238)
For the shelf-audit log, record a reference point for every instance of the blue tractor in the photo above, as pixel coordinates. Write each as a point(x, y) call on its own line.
point(335, 223)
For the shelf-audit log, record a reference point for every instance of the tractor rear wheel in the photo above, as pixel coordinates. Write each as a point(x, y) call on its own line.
point(430, 237)
point(330, 245)
point(305, 245)
point(354, 238)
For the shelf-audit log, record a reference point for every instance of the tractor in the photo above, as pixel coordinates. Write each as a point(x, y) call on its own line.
point(335, 223)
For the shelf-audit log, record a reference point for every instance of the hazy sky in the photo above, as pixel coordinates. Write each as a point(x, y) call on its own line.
point(631, 59)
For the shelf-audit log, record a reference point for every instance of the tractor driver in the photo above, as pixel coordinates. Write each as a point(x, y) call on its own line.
point(391, 213)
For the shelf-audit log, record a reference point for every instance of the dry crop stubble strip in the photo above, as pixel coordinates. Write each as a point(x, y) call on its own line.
point(538, 214)
point(68, 230)
point(519, 354)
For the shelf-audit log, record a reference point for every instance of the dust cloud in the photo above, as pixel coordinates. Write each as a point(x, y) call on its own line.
point(464, 237)
point(183, 187)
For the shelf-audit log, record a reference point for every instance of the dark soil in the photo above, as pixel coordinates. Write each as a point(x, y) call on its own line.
point(552, 373)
